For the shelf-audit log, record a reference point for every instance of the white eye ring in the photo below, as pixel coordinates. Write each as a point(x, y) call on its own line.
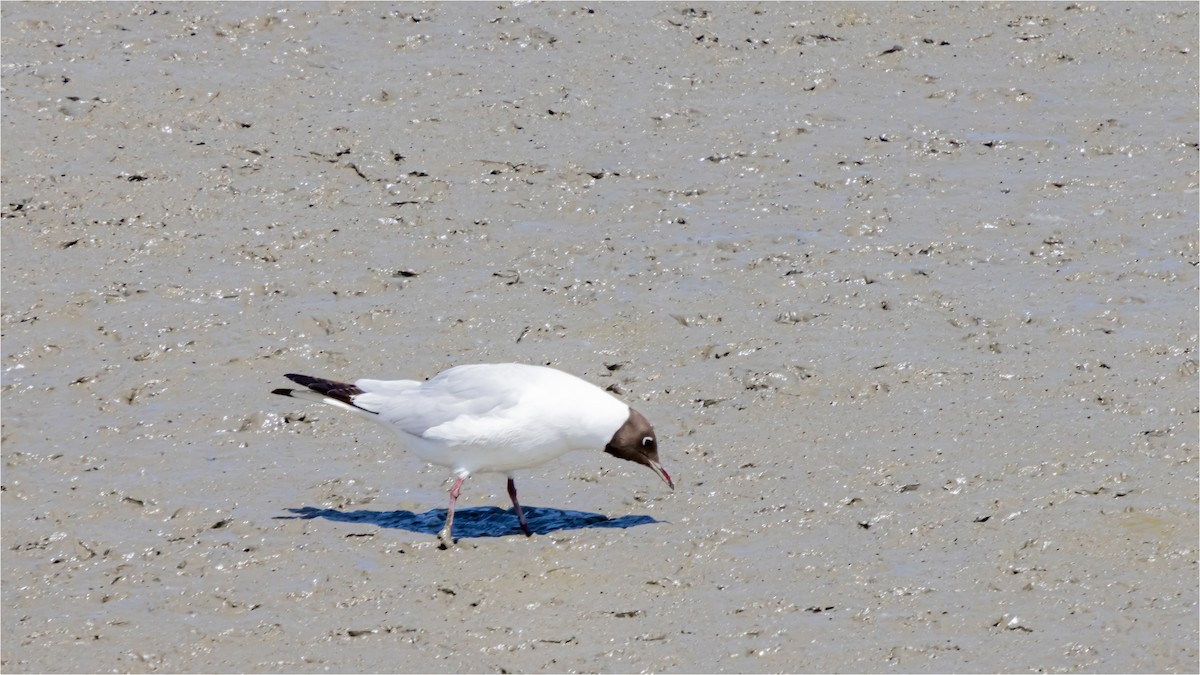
point(647, 441)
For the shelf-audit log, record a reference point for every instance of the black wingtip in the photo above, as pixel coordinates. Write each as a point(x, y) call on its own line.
point(339, 391)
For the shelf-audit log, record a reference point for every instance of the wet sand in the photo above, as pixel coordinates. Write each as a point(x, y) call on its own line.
point(909, 292)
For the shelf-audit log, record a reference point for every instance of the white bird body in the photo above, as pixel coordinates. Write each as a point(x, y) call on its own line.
point(485, 424)
point(494, 418)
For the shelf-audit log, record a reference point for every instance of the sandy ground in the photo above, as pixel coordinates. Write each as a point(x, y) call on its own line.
point(909, 291)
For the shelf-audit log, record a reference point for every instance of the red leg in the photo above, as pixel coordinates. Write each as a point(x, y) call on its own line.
point(444, 535)
point(512, 492)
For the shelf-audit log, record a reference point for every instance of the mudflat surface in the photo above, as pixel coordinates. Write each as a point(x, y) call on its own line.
point(909, 292)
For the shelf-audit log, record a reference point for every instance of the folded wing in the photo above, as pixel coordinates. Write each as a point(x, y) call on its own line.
point(450, 407)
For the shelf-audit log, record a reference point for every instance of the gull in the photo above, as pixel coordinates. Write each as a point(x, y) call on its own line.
point(493, 417)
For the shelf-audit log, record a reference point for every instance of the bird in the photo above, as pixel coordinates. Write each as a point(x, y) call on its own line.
point(493, 417)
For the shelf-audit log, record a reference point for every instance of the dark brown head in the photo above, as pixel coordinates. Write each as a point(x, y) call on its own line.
point(635, 442)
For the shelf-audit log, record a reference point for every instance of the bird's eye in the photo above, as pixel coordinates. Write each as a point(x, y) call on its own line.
point(649, 440)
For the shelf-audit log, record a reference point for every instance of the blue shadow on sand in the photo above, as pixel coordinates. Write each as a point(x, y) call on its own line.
point(479, 521)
